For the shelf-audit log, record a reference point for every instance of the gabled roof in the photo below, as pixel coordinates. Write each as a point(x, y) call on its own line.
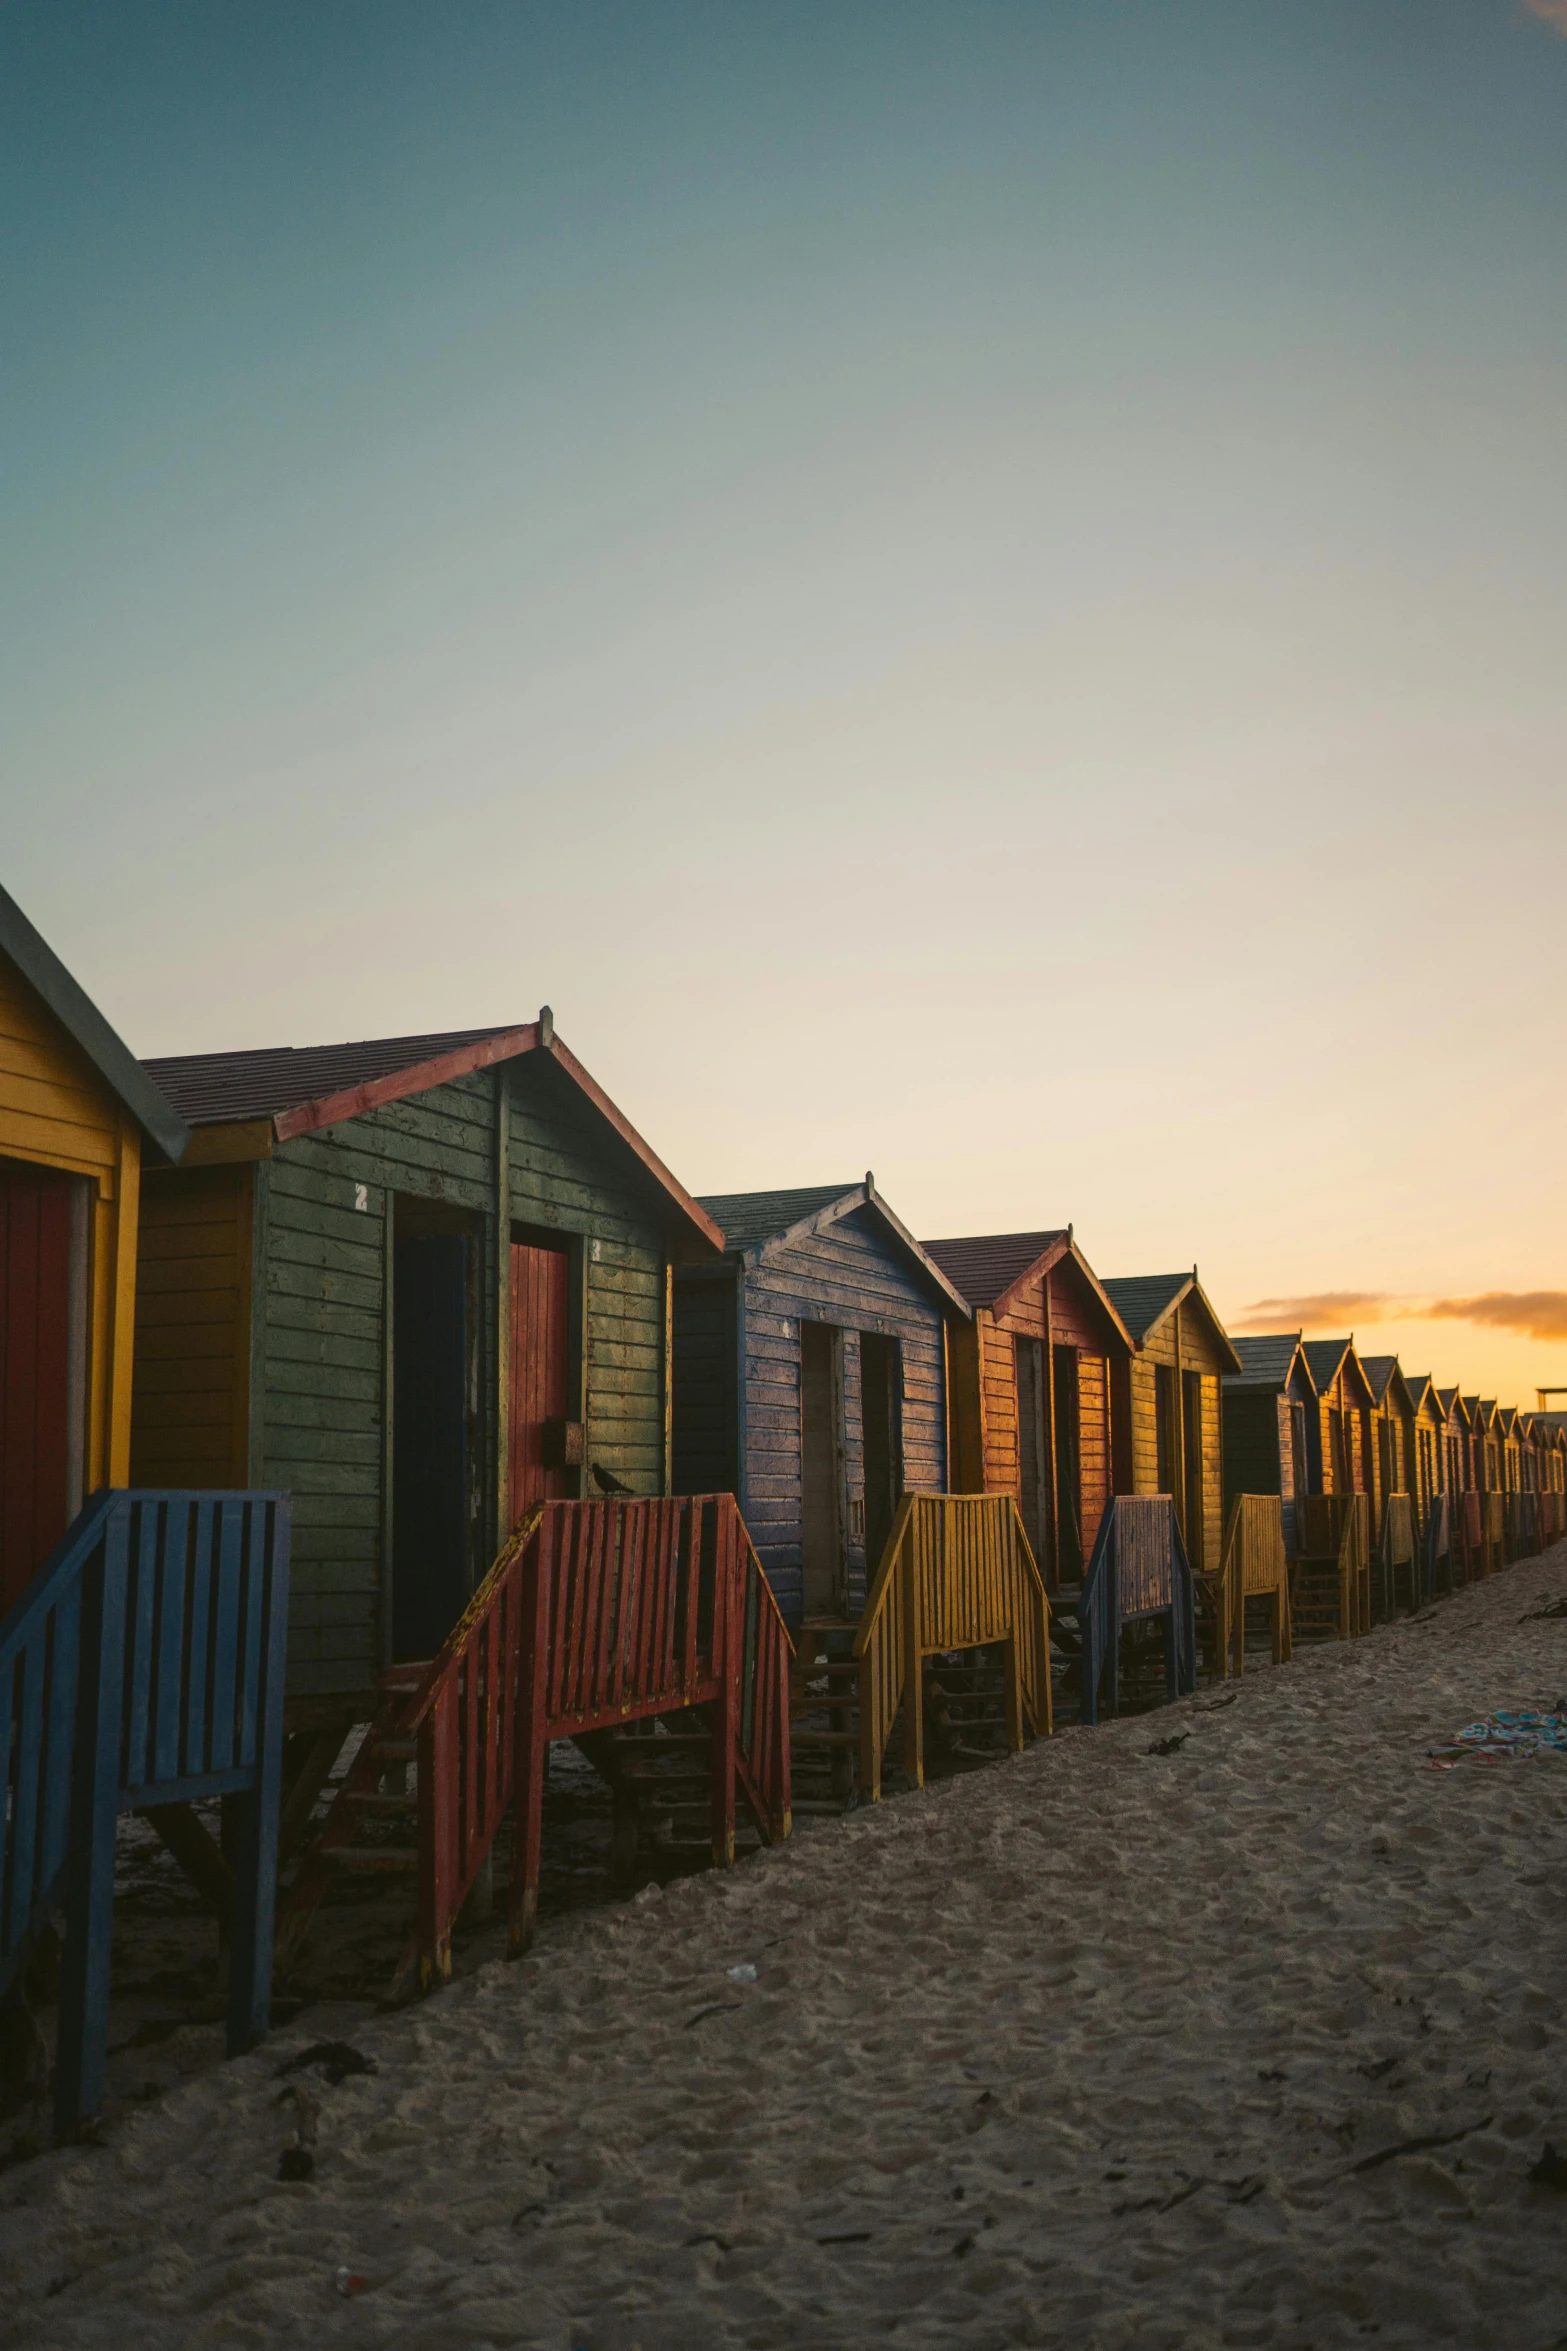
point(1328, 1355)
point(1507, 1418)
point(1143, 1300)
point(993, 1269)
point(1382, 1371)
point(1421, 1385)
point(300, 1090)
point(85, 1025)
point(303, 1087)
point(1268, 1362)
point(1455, 1405)
point(750, 1219)
point(985, 1266)
point(757, 1223)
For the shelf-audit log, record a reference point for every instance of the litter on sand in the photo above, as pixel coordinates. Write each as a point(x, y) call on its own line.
point(1503, 1738)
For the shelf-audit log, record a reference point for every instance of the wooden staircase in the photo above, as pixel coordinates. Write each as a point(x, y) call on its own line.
point(644, 1631)
point(142, 1669)
point(963, 1710)
point(1330, 1582)
point(953, 1647)
point(824, 1716)
point(659, 1771)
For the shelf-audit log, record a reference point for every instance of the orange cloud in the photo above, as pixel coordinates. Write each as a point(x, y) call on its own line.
point(1333, 1310)
point(1539, 1314)
point(1551, 12)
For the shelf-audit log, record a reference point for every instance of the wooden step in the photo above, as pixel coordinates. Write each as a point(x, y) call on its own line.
point(382, 1800)
point(376, 1860)
point(391, 1750)
point(809, 1738)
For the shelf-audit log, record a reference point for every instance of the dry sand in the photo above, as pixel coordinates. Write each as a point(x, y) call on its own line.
point(1097, 2047)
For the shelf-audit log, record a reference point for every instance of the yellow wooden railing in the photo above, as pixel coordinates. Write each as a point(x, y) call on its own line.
point(1255, 1567)
point(958, 1573)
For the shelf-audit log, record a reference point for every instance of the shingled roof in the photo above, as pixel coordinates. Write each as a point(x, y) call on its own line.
point(1381, 1371)
point(1323, 1357)
point(984, 1266)
point(992, 1269)
point(756, 1222)
point(1144, 1299)
point(85, 1025)
point(210, 1089)
point(1266, 1362)
point(751, 1219)
point(300, 1089)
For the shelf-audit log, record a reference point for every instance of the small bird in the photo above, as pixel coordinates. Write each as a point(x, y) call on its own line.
point(606, 1482)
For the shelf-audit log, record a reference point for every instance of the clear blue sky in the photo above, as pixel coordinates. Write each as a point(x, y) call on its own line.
point(974, 590)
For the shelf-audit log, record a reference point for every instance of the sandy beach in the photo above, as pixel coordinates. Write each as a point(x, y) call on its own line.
point(1103, 2046)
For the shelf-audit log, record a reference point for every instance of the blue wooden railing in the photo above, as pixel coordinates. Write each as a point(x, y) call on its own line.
point(143, 1666)
point(1139, 1569)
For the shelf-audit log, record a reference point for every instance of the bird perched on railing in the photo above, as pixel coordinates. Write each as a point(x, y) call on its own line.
point(606, 1482)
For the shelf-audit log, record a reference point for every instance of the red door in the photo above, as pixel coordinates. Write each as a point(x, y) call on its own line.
point(540, 1342)
point(35, 1306)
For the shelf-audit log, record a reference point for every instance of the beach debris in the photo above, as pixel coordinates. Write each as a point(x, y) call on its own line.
point(1551, 1608)
point(307, 2111)
point(745, 1973)
point(1420, 2146)
point(717, 2008)
point(1169, 1746)
point(337, 2060)
point(848, 2237)
point(297, 2161)
point(1551, 2170)
point(1503, 1738)
point(349, 2283)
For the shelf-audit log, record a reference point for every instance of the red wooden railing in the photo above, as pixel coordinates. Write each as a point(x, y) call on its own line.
point(594, 1614)
point(638, 1608)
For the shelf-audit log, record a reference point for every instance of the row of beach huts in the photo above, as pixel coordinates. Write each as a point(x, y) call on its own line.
point(373, 1415)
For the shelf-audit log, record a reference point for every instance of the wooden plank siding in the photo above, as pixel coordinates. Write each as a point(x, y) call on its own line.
point(1193, 1352)
point(737, 1382)
point(1058, 1305)
point(57, 1112)
point(191, 1382)
point(302, 1400)
point(851, 1279)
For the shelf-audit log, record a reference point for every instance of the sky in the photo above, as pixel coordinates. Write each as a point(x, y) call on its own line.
point(975, 591)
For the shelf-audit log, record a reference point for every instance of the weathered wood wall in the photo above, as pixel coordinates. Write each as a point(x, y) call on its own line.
point(314, 1363)
point(57, 1112)
point(984, 1376)
point(191, 1393)
point(706, 1416)
point(852, 1277)
point(1197, 1353)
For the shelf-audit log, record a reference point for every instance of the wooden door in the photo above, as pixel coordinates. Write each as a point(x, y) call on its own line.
point(822, 1562)
point(35, 1316)
point(1071, 1554)
point(1193, 1496)
point(1166, 1420)
point(429, 1440)
point(540, 1386)
point(1033, 1451)
point(881, 1400)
